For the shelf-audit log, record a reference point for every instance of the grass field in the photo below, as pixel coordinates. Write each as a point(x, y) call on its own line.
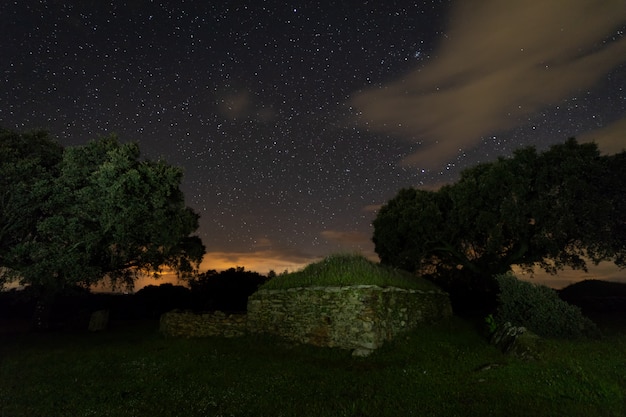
point(446, 369)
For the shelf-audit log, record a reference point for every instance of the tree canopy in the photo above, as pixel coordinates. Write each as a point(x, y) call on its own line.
point(563, 207)
point(74, 216)
point(226, 290)
point(25, 159)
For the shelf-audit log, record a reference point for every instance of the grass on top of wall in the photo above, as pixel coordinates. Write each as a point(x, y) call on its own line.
point(345, 270)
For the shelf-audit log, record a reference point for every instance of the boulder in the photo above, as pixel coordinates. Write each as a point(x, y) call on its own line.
point(362, 352)
point(99, 320)
point(516, 341)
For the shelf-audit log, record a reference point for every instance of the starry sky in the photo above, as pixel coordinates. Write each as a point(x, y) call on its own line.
point(294, 121)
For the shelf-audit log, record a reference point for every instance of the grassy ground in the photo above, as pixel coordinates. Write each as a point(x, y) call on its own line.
point(446, 369)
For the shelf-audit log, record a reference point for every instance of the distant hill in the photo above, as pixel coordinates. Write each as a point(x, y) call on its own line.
point(595, 288)
point(596, 296)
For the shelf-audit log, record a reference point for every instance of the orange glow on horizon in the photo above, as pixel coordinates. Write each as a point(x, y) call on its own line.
point(262, 262)
point(265, 261)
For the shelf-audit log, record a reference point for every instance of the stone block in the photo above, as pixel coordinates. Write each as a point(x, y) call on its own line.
point(99, 320)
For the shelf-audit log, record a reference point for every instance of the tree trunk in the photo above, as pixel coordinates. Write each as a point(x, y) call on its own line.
point(42, 316)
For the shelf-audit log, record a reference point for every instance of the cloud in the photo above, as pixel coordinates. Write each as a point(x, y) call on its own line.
point(262, 242)
point(435, 186)
point(352, 241)
point(499, 62)
point(235, 105)
point(605, 271)
point(372, 208)
point(611, 139)
point(261, 261)
point(346, 238)
point(240, 104)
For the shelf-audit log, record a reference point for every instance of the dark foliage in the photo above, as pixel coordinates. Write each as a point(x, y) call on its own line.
point(225, 291)
point(70, 309)
point(25, 160)
point(76, 216)
point(539, 309)
point(154, 300)
point(16, 304)
point(560, 208)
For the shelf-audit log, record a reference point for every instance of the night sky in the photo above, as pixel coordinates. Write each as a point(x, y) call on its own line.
point(295, 121)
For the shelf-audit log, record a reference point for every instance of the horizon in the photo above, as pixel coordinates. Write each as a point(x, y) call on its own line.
point(605, 271)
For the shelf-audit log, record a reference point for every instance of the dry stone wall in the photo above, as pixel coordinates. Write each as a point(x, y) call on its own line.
point(359, 317)
point(188, 324)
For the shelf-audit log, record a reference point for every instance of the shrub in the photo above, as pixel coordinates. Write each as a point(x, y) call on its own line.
point(226, 291)
point(539, 309)
point(155, 300)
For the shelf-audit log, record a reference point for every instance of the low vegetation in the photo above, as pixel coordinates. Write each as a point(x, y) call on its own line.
point(540, 309)
point(445, 369)
point(347, 269)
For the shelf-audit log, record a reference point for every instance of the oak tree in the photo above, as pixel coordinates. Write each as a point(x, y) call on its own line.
point(91, 213)
point(563, 207)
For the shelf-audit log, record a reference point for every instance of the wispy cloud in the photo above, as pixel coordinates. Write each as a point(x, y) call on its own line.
point(345, 237)
point(261, 261)
point(605, 271)
point(372, 208)
point(610, 139)
point(240, 104)
point(353, 241)
point(235, 105)
point(498, 63)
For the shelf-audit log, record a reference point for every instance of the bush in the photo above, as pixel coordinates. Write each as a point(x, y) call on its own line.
point(226, 291)
point(155, 300)
point(540, 309)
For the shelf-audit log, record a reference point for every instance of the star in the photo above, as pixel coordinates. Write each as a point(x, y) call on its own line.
point(295, 123)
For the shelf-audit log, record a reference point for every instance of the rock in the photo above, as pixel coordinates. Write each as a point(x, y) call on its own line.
point(516, 341)
point(361, 352)
point(526, 346)
point(188, 324)
point(99, 320)
point(487, 367)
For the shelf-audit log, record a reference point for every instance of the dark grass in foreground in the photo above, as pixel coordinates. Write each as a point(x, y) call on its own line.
point(436, 370)
point(348, 269)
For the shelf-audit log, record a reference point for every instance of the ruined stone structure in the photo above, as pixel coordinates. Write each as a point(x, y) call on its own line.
point(360, 318)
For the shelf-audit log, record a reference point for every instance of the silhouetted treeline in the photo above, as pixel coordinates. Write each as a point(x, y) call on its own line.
point(226, 291)
point(71, 308)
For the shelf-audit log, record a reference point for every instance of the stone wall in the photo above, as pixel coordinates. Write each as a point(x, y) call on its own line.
point(359, 317)
point(187, 324)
